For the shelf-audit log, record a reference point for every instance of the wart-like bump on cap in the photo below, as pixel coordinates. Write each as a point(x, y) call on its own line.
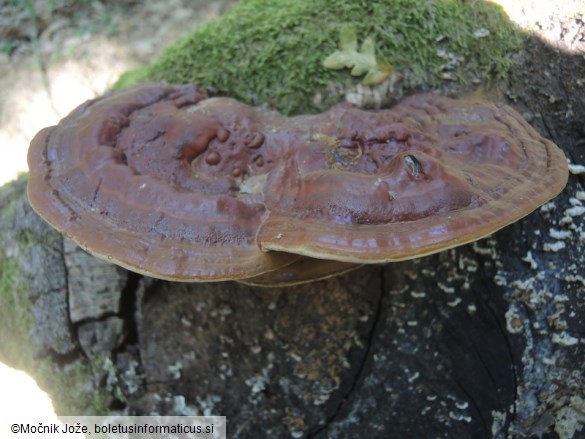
point(432, 173)
point(137, 179)
point(170, 183)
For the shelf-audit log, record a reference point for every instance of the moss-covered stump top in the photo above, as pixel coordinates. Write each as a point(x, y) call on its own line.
point(272, 51)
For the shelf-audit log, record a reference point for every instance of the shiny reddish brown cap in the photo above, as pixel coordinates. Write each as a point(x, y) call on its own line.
point(134, 178)
point(167, 182)
point(429, 174)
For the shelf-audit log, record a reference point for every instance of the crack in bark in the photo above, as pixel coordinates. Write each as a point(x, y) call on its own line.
point(64, 359)
point(72, 326)
point(128, 307)
point(475, 405)
point(551, 132)
point(503, 331)
point(362, 366)
point(101, 318)
point(61, 360)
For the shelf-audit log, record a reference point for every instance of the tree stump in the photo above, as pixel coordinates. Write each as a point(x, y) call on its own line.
point(485, 340)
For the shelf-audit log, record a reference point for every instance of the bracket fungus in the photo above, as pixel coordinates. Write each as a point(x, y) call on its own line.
point(170, 183)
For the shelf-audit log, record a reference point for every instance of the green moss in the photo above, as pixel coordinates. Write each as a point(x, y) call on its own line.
point(7, 195)
point(70, 386)
point(15, 317)
point(271, 51)
point(15, 314)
